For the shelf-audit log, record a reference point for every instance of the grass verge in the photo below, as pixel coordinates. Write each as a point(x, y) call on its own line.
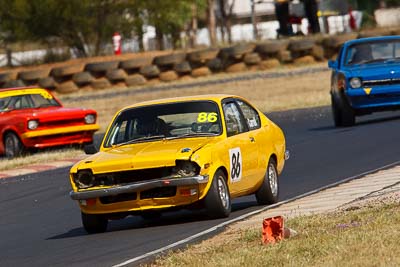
point(365, 237)
point(40, 157)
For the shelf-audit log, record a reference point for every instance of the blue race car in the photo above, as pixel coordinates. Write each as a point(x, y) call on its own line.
point(365, 78)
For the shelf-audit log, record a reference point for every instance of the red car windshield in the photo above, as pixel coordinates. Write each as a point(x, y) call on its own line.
point(23, 101)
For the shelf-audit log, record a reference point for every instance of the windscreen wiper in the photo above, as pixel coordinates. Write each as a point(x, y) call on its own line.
point(143, 138)
point(190, 135)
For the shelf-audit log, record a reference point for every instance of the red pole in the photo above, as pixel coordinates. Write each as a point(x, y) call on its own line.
point(117, 43)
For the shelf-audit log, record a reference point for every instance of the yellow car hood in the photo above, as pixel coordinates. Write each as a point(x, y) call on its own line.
point(143, 155)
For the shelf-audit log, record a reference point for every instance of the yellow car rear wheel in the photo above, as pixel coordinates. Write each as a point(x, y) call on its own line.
point(269, 191)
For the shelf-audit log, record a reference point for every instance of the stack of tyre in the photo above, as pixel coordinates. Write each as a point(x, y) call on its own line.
point(181, 65)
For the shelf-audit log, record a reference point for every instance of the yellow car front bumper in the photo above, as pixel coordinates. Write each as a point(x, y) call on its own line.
point(188, 190)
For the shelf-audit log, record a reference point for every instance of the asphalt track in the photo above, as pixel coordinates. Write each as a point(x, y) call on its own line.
point(40, 225)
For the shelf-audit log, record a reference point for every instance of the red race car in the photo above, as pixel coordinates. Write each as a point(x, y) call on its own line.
point(34, 118)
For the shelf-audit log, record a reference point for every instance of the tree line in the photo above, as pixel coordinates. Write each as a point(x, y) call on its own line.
point(86, 25)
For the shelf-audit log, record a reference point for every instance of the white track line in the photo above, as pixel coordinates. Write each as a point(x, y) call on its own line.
point(216, 227)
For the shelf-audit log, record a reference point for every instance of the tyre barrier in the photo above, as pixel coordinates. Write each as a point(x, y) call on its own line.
point(135, 80)
point(33, 75)
point(150, 71)
point(66, 87)
point(168, 76)
point(203, 55)
point(48, 82)
point(201, 72)
point(135, 64)
point(183, 68)
point(169, 60)
point(182, 65)
point(101, 83)
point(60, 72)
point(82, 78)
point(116, 75)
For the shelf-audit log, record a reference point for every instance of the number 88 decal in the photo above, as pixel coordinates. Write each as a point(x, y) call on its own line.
point(235, 160)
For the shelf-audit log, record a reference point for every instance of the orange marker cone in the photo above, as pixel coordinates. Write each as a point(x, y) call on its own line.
point(273, 230)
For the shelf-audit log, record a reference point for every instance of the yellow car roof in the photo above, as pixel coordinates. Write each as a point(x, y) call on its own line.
point(213, 97)
point(25, 91)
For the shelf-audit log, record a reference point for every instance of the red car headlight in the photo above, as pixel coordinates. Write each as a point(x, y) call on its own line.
point(33, 124)
point(90, 119)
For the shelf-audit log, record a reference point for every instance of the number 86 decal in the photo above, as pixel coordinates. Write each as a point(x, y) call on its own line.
point(235, 159)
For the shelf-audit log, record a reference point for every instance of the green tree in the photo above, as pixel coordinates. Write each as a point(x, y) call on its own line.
point(170, 18)
point(87, 25)
point(83, 25)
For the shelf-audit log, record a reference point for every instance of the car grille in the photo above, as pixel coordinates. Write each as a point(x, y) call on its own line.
point(61, 123)
point(118, 198)
point(159, 192)
point(371, 83)
point(134, 176)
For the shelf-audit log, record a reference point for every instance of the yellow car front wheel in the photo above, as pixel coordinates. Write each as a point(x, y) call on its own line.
point(218, 200)
point(94, 223)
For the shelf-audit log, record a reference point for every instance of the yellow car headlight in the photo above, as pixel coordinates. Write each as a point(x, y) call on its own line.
point(84, 179)
point(185, 168)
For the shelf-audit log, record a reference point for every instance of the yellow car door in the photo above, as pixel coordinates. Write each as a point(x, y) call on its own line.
point(259, 136)
point(241, 148)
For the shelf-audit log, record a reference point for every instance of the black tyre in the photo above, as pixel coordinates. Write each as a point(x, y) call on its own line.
point(101, 83)
point(135, 63)
point(169, 60)
point(66, 70)
point(67, 87)
point(237, 51)
point(13, 83)
point(301, 45)
point(218, 200)
point(252, 59)
point(116, 75)
point(47, 83)
point(343, 114)
point(12, 146)
point(183, 68)
point(33, 75)
point(101, 66)
point(82, 78)
point(337, 118)
point(94, 223)
point(268, 193)
point(134, 80)
point(151, 215)
point(150, 71)
point(271, 47)
point(5, 77)
point(203, 55)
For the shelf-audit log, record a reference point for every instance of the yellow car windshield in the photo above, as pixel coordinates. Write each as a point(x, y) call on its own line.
point(171, 121)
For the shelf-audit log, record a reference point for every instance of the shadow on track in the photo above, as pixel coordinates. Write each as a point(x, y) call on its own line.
point(367, 121)
point(167, 218)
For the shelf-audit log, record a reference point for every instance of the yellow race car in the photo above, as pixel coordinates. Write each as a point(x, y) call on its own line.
point(197, 151)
